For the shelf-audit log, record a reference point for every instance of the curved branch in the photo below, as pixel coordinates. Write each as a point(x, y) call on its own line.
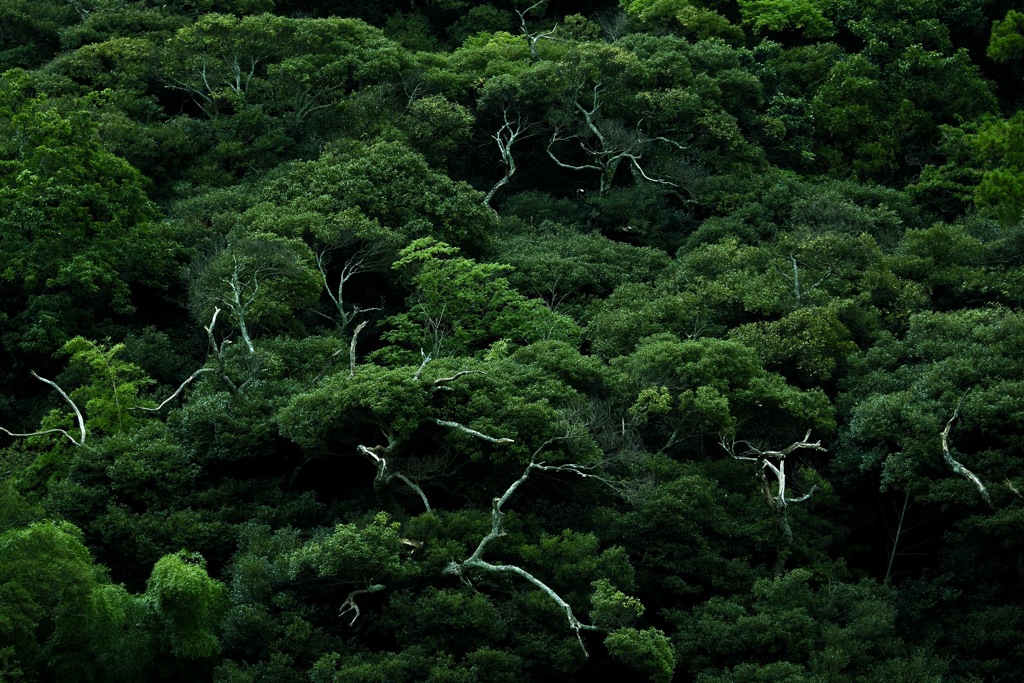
point(461, 373)
point(78, 416)
point(476, 561)
point(179, 390)
point(957, 467)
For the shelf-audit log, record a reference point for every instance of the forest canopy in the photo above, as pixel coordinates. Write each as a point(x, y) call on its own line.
point(675, 340)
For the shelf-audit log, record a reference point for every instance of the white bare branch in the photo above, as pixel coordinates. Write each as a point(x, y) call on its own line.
point(178, 391)
point(437, 383)
point(218, 350)
point(366, 259)
point(778, 501)
point(511, 130)
point(384, 476)
point(352, 349)
point(350, 603)
point(956, 466)
point(476, 561)
point(415, 487)
point(607, 142)
point(471, 432)
point(78, 417)
point(534, 38)
point(423, 364)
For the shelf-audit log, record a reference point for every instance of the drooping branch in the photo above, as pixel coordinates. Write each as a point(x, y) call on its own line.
point(476, 561)
point(384, 475)
point(415, 487)
point(78, 417)
point(607, 142)
point(178, 391)
point(956, 466)
point(350, 603)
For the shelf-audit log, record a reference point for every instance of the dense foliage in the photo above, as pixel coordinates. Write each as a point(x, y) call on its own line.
point(462, 341)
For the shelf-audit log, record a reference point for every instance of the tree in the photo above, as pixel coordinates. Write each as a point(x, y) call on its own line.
point(259, 279)
point(77, 238)
point(461, 307)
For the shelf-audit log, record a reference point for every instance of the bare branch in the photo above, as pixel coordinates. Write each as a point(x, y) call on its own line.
point(415, 487)
point(779, 501)
point(78, 416)
point(352, 349)
point(376, 454)
point(218, 350)
point(506, 137)
point(955, 465)
point(423, 364)
point(350, 604)
point(381, 463)
point(461, 373)
point(467, 430)
point(534, 38)
point(178, 391)
point(476, 561)
point(366, 259)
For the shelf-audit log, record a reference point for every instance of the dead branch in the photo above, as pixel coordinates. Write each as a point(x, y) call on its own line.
point(476, 561)
point(178, 391)
point(78, 416)
point(779, 501)
point(512, 129)
point(471, 432)
point(534, 38)
point(218, 351)
point(384, 477)
point(415, 487)
point(956, 466)
point(423, 364)
point(364, 260)
point(352, 349)
point(350, 603)
point(439, 383)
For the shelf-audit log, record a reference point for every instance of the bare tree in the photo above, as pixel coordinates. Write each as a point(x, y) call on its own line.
point(614, 23)
point(607, 143)
point(534, 37)
point(364, 260)
point(515, 126)
point(770, 462)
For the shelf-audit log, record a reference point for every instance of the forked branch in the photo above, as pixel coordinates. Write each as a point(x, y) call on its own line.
point(476, 561)
point(350, 602)
point(78, 417)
